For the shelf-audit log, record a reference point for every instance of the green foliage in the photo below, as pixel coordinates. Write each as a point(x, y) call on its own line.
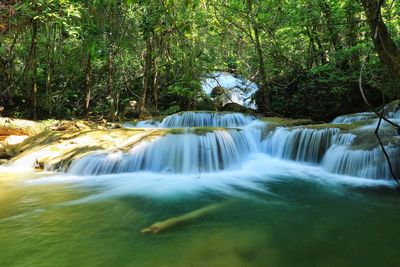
point(311, 52)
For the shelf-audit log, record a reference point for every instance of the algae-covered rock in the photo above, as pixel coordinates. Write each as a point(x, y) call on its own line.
point(58, 149)
point(197, 130)
point(344, 127)
point(273, 122)
point(367, 140)
point(393, 106)
point(235, 107)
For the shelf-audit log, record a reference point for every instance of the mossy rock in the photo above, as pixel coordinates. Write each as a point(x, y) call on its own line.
point(235, 107)
point(197, 130)
point(274, 122)
point(344, 127)
point(391, 107)
point(213, 112)
point(59, 148)
point(367, 140)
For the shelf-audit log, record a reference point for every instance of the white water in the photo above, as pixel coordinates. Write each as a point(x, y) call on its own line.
point(174, 153)
point(236, 89)
point(361, 163)
point(210, 151)
point(354, 117)
point(206, 119)
point(363, 116)
point(143, 124)
point(254, 175)
point(300, 144)
point(197, 119)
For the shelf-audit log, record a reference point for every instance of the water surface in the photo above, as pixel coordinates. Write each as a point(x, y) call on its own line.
point(277, 220)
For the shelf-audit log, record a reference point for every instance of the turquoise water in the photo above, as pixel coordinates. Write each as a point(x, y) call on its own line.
point(276, 222)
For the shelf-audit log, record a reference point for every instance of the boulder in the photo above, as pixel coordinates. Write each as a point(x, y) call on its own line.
point(9, 126)
point(235, 107)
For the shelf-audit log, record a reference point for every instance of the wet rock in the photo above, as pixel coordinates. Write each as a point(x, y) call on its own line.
point(9, 126)
point(235, 107)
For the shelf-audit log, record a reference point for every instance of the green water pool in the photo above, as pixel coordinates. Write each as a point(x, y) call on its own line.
point(298, 223)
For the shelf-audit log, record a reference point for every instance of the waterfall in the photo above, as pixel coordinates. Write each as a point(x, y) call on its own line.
point(236, 89)
point(350, 118)
point(361, 163)
point(206, 142)
point(197, 119)
point(206, 119)
point(300, 144)
point(142, 124)
point(190, 152)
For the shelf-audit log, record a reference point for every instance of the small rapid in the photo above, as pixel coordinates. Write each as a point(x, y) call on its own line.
point(347, 119)
point(188, 152)
point(299, 144)
point(197, 119)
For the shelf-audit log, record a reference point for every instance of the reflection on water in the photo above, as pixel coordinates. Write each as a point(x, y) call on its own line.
point(277, 222)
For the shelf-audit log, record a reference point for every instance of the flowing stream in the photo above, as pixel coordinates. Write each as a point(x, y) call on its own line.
point(286, 196)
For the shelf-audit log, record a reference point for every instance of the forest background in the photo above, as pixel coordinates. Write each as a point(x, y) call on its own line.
point(70, 58)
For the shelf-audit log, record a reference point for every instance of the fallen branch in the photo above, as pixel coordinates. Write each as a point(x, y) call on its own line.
point(172, 222)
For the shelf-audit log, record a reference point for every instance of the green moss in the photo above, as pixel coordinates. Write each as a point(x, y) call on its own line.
point(195, 130)
point(274, 122)
point(368, 140)
point(391, 107)
point(204, 130)
point(215, 112)
point(72, 144)
point(132, 122)
point(343, 127)
point(176, 131)
point(49, 122)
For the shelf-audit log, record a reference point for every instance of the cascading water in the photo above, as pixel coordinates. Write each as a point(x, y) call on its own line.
point(193, 182)
point(354, 117)
point(189, 152)
point(236, 89)
point(206, 119)
point(361, 163)
point(209, 142)
point(300, 144)
point(197, 119)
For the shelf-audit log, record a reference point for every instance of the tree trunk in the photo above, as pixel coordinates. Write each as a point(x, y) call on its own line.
point(88, 70)
point(147, 75)
point(333, 34)
point(352, 35)
point(49, 86)
point(387, 50)
point(155, 91)
point(260, 56)
point(110, 88)
point(7, 71)
point(321, 50)
point(313, 50)
point(34, 69)
point(50, 67)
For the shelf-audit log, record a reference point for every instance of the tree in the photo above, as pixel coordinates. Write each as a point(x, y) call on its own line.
point(386, 48)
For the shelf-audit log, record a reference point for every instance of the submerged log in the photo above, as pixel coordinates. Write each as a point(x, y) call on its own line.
point(174, 221)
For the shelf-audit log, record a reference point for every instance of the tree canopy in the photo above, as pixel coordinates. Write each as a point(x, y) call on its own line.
point(68, 58)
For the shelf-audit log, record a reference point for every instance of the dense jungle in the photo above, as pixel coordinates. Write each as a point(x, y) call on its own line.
point(69, 59)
